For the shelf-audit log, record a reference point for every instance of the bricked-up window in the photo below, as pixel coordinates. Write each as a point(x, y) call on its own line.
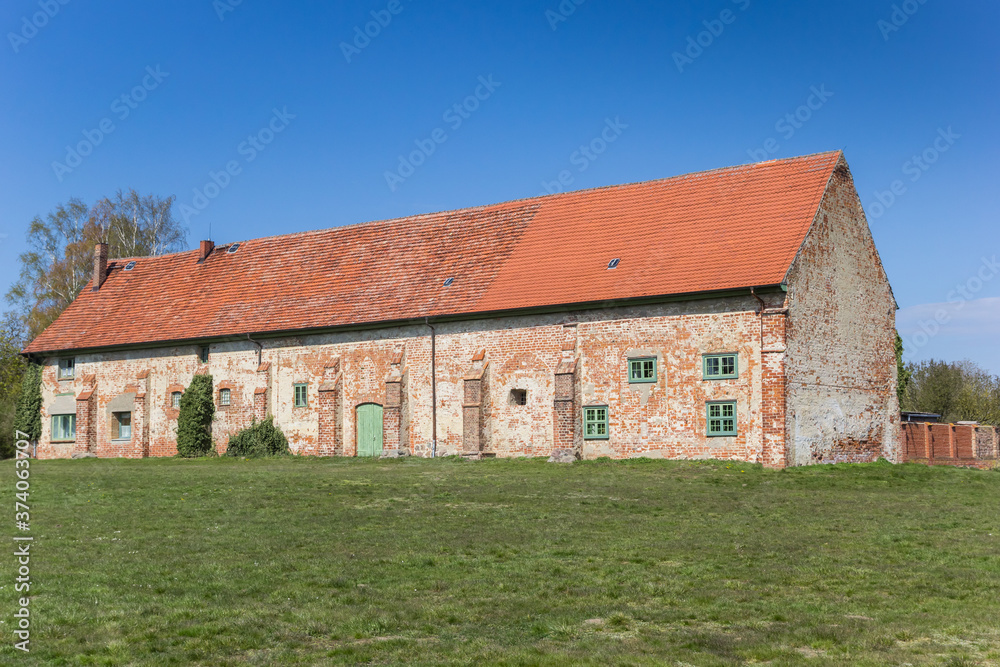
point(225, 396)
point(722, 418)
point(123, 425)
point(301, 396)
point(519, 396)
point(67, 369)
point(175, 400)
point(721, 366)
point(63, 427)
point(595, 423)
point(642, 370)
point(203, 354)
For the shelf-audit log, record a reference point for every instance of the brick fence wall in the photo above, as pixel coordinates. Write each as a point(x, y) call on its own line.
point(951, 444)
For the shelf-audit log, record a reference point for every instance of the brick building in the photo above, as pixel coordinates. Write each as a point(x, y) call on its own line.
point(741, 313)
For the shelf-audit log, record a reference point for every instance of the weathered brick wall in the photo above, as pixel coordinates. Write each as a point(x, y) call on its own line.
point(774, 333)
point(941, 441)
point(965, 442)
point(819, 357)
point(916, 440)
point(986, 443)
point(666, 419)
point(840, 358)
point(950, 444)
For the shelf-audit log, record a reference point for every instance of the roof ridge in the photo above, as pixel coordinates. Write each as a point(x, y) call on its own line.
point(419, 217)
point(136, 258)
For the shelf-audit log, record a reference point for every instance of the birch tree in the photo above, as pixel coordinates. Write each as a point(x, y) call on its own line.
point(60, 255)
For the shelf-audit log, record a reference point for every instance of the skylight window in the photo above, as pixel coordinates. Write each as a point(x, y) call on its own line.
point(448, 282)
point(130, 266)
point(613, 264)
point(233, 248)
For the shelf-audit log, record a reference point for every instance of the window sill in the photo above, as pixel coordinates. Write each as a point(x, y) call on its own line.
point(597, 437)
point(63, 442)
point(721, 435)
point(121, 439)
point(642, 381)
point(721, 377)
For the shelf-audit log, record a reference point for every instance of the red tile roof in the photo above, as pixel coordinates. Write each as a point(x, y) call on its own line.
point(724, 229)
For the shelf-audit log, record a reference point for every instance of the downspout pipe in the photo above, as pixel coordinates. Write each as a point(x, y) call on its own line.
point(434, 421)
point(753, 293)
point(260, 349)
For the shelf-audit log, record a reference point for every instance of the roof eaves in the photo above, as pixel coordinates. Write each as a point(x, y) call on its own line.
point(514, 312)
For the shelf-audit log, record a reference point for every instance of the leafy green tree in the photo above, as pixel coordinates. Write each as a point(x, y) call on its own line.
point(12, 366)
point(956, 391)
point(57, 265)
point(59, 261)
point(134, 225)
point(979, 398)
point(194, 422)
point(903, 373)
point(28, 418)
point(262, 438)
point(934, 387)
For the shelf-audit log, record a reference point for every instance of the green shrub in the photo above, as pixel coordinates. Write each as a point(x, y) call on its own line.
point(194, 423)
point(28, 418)
point(259, 439)
point(12, 370)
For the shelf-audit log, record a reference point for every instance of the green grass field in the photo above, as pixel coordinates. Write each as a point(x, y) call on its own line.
point(514, 562)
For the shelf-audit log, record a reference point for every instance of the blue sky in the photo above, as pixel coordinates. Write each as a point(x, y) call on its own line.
point(895, 80)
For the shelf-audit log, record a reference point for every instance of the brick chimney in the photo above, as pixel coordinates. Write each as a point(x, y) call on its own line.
point(100, 265)
point(205, 250)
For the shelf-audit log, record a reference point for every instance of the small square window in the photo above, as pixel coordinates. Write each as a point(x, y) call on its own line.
point(722, 418)
point(518, 396)
point(301, 396)
point(63, 427)
point(642, 370)
point(225, 396)
point(595, 423)
point(123, 425)
point(721, 366)
point(203, 354)
point(175, 400)
point(67, 369)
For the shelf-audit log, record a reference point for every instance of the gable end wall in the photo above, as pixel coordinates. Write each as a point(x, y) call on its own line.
point(841, 364)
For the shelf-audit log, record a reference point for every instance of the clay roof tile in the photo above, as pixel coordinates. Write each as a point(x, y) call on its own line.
point(724, 229)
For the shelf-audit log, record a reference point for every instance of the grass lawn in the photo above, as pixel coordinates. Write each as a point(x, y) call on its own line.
point(514, 562)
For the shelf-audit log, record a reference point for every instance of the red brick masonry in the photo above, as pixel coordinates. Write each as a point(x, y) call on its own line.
point(494, 331)
point(951, 444)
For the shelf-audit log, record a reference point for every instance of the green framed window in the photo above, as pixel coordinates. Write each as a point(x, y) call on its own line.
point(67, 369)
point(642, 370)
point(203, 354)
point(123, 425)
point(595, 423)
point(722, 418)
point(63, 427)
point(301, 395)
point(721, 366)
point(225, 396)
point(175, 400)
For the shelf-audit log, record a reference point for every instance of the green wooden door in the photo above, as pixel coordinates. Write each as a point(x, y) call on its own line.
point(369, 430)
